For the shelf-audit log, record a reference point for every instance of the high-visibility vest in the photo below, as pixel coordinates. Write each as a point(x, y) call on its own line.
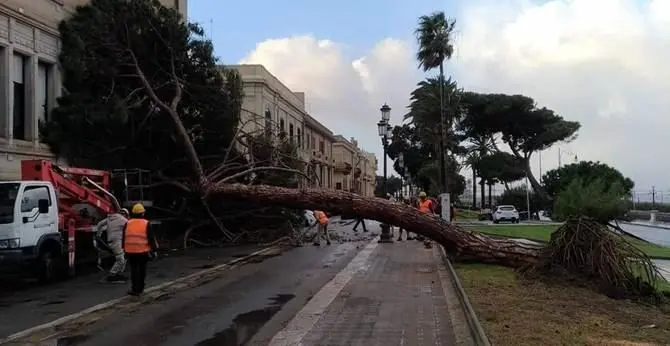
point(321, 217)
point(136, 239)
point(426, 206)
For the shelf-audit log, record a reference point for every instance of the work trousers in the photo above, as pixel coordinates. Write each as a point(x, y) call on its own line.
point(119, 260)
point(361, 222)
point(322, 231)
point(138, 270)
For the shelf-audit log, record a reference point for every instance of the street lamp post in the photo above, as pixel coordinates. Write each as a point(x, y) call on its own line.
point(384, 129)
point(401, 164)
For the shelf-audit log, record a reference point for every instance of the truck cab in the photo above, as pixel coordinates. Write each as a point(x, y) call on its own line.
point(29, 223)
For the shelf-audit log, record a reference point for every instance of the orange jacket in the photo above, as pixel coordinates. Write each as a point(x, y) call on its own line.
point(426, 206)
point(321, 217)
point(136, 237)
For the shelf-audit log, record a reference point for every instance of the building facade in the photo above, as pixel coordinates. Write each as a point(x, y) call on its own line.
point(269, 105)
point(354, 168)
point(29, 76)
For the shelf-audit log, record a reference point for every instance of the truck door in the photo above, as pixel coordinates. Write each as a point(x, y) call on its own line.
point(33, 223)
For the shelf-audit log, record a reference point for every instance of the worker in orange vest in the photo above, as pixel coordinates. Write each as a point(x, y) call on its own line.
point(139, 245)
point(426, 206)
point(322, 220)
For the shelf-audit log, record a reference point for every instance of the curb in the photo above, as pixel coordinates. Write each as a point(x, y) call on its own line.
point(111, 303)
point(476, 330)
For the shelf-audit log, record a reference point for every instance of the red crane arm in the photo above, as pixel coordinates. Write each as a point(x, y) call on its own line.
point(69, 186)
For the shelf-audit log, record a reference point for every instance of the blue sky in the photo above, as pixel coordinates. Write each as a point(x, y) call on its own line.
point(237, 26)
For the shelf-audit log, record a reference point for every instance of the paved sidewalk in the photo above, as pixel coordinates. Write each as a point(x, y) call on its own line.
point(390, 294)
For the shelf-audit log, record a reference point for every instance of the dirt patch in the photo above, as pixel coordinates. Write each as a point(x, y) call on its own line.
point(519, 312)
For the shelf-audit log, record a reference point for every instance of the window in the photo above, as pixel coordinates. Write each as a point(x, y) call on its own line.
point(31, 195)
point(19, 101)
point(299, 139)
point(322, 147)
point(268, 122)
point(42, 91)
point(313, 143)
point(281, 126)
point(8, 193)
point(290, 132)
point(338, 186)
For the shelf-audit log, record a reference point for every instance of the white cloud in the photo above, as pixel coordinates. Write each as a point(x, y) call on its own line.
point(342, 92)
point(601, 62)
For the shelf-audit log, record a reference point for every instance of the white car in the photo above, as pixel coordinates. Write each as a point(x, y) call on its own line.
point(506, 213)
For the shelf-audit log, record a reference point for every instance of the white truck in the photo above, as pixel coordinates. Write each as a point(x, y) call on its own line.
point(47, 219)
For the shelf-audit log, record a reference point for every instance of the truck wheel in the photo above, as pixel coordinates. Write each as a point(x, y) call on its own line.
point(49, 266)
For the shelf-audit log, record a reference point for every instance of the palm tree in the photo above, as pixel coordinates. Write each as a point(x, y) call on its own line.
point(424, 113)
point(479, 147)
point(434, 37)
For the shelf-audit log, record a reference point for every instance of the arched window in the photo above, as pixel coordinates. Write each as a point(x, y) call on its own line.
point(268, 121)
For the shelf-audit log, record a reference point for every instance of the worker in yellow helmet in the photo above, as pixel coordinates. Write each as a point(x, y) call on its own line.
point(139, 245)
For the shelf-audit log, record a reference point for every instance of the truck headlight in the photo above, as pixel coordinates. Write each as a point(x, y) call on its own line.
point(10, 243)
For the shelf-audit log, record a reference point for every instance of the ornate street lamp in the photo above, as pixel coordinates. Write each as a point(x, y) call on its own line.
point(385, 132)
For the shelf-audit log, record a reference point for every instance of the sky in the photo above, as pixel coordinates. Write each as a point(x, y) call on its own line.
point(599, 62)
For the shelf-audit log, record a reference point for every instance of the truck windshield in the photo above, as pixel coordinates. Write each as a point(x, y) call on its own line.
point(8, 193)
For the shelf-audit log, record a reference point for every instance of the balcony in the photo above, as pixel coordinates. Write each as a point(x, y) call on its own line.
point(343, 167)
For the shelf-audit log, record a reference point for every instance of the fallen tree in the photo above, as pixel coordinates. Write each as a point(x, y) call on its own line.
point(461, 243)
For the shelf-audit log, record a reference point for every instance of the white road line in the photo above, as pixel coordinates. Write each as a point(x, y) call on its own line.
point(305, 319)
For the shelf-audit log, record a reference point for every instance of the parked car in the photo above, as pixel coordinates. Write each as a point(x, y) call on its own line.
point(506, 213)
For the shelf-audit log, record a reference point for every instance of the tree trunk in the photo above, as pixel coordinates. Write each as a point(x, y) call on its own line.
point(474, 189)
point(482, 188)
point(537, 187)
point(443, 133)
point(463, 244)
point(490, 196)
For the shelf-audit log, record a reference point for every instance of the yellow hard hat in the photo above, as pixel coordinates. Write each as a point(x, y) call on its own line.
point(138, 209)
point(422, 194)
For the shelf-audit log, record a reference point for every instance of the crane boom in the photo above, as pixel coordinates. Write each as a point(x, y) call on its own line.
point(73, 186)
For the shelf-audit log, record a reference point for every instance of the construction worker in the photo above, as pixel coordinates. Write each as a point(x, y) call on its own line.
point(427, 206)
point(322, 230)
point(139, 245)
point(112, 228)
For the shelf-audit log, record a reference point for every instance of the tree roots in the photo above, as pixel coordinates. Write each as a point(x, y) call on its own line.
point(587, 249)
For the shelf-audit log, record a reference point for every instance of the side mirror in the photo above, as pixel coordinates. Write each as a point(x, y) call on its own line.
point(43, 206)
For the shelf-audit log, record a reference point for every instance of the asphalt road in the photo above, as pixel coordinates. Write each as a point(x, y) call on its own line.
point(246, 306)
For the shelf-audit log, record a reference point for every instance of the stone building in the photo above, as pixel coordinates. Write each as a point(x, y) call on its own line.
point(29, 76)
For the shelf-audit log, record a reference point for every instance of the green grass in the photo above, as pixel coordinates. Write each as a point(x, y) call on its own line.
point(465, 214)
point(542, 233)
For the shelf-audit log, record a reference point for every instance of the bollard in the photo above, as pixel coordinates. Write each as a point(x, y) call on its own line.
point(652, 216)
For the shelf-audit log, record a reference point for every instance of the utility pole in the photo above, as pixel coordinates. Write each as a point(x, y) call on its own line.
point(653, 196)
point(559, 157)
point(539, 156)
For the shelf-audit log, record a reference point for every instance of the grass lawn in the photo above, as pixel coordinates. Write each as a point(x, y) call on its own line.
point(465, 214)
point(514, 311)
point(543, 232)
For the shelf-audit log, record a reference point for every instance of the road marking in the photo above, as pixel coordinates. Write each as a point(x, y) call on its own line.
point(306, 318)
point(102, 306)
